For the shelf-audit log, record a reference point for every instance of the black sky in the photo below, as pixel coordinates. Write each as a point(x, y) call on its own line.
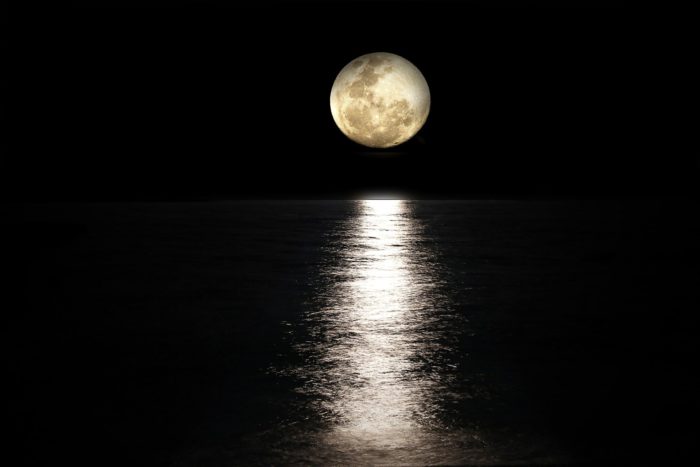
point(213, 103)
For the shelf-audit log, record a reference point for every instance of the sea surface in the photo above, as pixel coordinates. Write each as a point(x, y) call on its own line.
point(369, 332)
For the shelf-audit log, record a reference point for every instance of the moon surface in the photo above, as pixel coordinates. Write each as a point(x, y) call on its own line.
point(380, 100)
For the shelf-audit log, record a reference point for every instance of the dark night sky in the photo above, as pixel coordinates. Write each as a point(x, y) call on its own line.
point(202, 103)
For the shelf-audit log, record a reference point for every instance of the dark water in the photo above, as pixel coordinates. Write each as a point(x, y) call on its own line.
point(376, 332)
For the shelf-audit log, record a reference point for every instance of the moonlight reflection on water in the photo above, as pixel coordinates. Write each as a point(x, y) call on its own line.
point(378, 362)
point(388, 344)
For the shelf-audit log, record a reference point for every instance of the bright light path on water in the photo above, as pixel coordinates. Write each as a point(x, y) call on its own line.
point(379, 328)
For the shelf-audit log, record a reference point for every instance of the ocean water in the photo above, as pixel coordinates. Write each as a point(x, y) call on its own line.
point(370, 332)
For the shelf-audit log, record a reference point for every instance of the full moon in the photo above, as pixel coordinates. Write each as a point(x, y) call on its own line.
point(380, 100)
